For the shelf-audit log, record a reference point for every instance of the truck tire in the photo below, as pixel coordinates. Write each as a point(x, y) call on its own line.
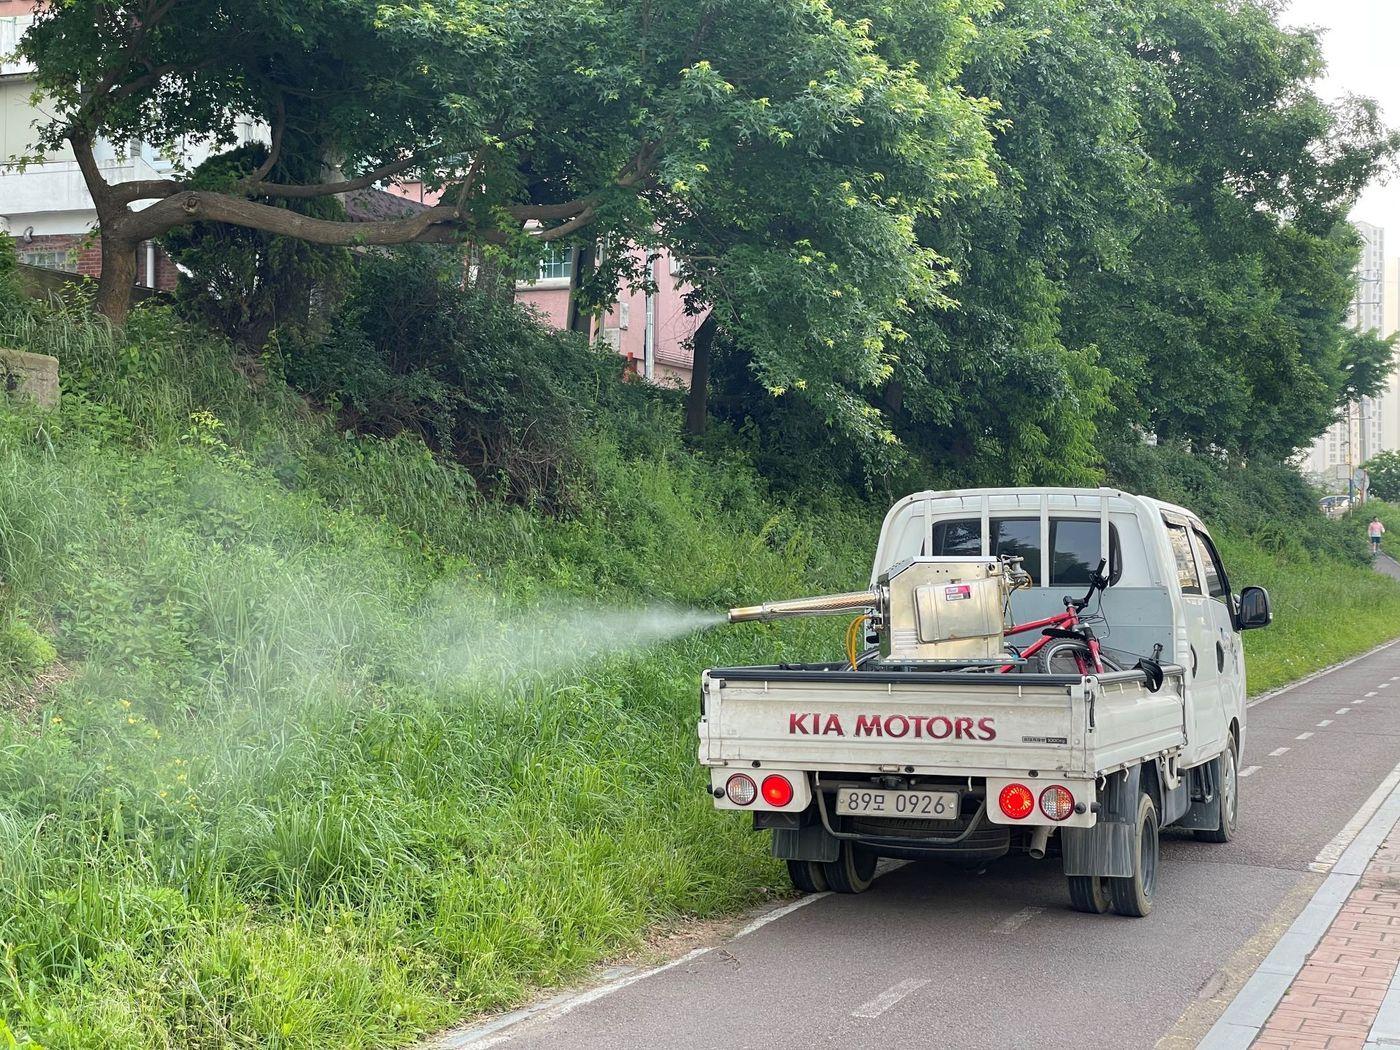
point(1227, 776)
point(1132, 896)
point(1089, 893)
point(853, 870)
point(808, 876)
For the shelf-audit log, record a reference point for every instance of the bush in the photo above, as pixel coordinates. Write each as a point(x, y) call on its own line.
point(476, 378)
point(23, 650)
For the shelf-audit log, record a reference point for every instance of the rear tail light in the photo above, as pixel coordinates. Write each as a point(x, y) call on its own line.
point(1056, 802)
point(740, 789)
point(1016, 801)
point(777, 791)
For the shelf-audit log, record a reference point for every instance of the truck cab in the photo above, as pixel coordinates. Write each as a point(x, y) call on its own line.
point(911, 747)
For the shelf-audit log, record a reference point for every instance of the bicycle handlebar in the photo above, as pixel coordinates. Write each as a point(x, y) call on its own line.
point(1097, 582)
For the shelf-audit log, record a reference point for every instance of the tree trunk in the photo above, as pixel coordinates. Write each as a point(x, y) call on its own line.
point(697, 402)
point(118, 276)
point(578, 273)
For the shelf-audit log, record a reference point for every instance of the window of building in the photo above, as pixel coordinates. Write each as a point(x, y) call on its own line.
point(557, 264)
point(49, 259)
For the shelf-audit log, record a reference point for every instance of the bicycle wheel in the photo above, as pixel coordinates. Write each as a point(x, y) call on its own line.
point(1071, 656)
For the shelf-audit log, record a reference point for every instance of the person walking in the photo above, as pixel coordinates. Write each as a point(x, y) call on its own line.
point(1375, 530)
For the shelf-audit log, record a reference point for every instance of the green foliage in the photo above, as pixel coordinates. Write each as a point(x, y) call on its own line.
point(244, 283)
point(475, 377)
point(23, 650)
point(1384, 470)
point(10, 290)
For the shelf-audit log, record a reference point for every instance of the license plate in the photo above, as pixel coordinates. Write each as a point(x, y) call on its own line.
point(910, 805)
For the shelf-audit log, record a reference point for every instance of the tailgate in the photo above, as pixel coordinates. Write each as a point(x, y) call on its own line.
point(939, 722)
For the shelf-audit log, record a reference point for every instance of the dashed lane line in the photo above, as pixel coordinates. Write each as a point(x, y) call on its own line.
point(1343, 710)
point(1276, 752)
point(1324, 723)
point(1303, 736)
point(891, 996)
point(1249, 771)
point(1371, 693)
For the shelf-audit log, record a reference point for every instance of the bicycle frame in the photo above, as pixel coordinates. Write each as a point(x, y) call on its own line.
point(1065, 621)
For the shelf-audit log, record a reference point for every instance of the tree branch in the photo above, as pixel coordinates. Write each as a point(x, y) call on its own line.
point(330, 189)
point(274, 151)
point(205, 206)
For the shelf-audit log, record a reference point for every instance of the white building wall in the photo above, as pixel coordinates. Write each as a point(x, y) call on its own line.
point(1370, 425)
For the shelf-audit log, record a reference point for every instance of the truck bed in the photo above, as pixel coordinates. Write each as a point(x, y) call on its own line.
point(936, 722)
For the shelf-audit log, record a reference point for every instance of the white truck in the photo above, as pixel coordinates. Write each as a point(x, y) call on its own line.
point(986, 705)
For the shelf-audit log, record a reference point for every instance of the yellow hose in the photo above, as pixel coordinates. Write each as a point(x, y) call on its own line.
point(853, 638)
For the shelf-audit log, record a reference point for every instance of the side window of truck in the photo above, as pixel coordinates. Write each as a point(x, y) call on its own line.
point(1216, 583)
point(1185, 560)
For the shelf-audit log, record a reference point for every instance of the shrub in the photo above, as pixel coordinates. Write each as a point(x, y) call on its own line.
point(478, 379)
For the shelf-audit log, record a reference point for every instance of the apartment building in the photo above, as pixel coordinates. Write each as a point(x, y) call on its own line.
point(1371, 424)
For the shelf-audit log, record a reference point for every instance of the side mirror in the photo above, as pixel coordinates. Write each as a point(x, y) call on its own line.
point(1254, 609)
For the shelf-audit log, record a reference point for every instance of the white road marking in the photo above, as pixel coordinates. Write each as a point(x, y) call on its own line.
point(1249, 771)
point(1018, 920)
point(1339, 844)
point(1359, 700)
point(1324, 723)
point(1371, 693)
point(1343, 710)
point(1279, 751)
point(889, 997)
point(1383, 685)
point(777, 913)
point(1303, 736)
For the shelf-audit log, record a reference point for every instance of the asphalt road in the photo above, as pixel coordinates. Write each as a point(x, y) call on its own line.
point(935, 957)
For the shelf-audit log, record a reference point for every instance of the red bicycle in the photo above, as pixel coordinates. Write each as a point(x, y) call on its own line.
point(1067, 644)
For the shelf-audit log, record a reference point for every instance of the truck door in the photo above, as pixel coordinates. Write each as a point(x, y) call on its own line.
point(1206, 723)
point(1228, 654)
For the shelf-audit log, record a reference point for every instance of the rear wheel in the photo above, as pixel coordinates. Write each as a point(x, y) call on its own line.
point(808, 876)
point(853, 870)
point(1229, 788)
point(1133, 895)
point(1088, 893)
point(1067, 656)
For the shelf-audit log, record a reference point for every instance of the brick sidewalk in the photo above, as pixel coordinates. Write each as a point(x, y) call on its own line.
point(1335, 999)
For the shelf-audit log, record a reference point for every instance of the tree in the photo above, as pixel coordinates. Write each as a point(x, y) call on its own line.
point(1225, 320)
point(1384, 470)
point(772, 143)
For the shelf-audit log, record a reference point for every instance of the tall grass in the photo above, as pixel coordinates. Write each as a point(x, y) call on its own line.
point(298, 788)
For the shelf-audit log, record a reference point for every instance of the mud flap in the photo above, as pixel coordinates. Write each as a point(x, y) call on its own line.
point(1108, 847)
point(1204, 813)
point(809, 843)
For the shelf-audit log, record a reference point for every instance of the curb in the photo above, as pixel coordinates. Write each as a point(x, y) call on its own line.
point(1251, 1008)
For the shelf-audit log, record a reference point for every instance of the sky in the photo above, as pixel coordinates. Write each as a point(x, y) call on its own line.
point(1363, 58)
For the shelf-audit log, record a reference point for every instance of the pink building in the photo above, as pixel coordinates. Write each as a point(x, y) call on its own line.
point(651, 332)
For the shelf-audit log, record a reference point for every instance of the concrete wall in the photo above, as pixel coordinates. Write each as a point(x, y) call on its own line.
point(30, 375)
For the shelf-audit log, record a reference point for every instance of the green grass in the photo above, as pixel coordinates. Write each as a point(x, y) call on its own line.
point(335, 753)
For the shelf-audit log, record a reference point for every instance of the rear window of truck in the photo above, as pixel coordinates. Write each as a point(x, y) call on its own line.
point(1074, 543)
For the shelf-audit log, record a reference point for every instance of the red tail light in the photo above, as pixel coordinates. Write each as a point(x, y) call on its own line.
point(1056, 802)
point(777, 791)
point(1016, 801)
point(740, 789)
